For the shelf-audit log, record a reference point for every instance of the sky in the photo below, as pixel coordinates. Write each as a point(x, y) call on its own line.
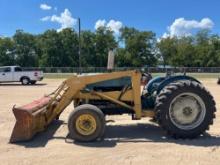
point(164, 17)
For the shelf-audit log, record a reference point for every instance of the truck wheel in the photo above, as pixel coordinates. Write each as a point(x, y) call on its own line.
point(25, 81)
point(33, 82)
point(86, 123)
point(185, 109)
point(218, 82)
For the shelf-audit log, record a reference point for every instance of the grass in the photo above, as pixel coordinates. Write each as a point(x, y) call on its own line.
point(196, 75)
point(58, 75)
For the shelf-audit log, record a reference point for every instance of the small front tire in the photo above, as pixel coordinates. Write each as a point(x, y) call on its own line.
point(86, 123)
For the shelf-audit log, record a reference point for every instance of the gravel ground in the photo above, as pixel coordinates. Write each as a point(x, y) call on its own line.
point(126, 141)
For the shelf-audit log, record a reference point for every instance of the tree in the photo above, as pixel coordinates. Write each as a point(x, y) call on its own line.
point(104, 41)
point(139, 47)
point(50, 47)
point(214, 51)
point(70, 47)
point(25, 50)
point(185, 53)
point(167, 49)
point(88, 52)
point(123, 58)
point(201, 50)
point(58, 49)
point(7, 48)
point(134, 48)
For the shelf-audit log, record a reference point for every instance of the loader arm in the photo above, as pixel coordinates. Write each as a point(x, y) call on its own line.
point(72, 87)
point(29, 121)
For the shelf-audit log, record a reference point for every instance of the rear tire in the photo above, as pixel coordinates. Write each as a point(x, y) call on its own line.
point(25, 81)
point(218, 82)
point(86, 123)
point(33, 82)
point(185, 109)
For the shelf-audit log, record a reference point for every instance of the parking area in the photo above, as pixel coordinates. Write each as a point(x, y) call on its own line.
point(125, 142)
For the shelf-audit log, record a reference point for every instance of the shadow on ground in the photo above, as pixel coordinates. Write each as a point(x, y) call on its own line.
point(42, 138)
point(142, 133)
point(132, 133)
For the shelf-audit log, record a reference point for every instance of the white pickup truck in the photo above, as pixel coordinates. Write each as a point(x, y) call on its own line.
point(16, 74)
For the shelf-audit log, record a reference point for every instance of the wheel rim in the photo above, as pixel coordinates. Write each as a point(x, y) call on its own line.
point(25, 81)
point(187, 111)
point(86, 124)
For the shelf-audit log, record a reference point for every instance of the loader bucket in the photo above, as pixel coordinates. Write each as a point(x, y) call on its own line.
point(30, 119)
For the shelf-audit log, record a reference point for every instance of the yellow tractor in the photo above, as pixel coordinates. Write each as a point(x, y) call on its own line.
point(179, 104)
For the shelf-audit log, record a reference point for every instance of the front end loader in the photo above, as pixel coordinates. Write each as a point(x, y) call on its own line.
point(179, 104)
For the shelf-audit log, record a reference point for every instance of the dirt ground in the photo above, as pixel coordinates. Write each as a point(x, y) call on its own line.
point(126, 141)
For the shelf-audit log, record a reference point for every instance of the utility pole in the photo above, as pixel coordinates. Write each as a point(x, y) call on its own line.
point(79, 23)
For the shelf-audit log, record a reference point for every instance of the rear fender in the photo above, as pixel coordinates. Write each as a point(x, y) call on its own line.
point(172, 79)
point(158, 83)
point(153, 84)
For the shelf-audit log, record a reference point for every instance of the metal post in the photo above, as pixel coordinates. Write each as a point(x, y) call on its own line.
point(79, 23)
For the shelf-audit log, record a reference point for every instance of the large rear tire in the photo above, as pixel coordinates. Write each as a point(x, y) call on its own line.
point(86, 123)
point(185, 109)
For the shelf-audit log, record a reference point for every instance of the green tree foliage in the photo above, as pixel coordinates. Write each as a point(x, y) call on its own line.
point(201, 50)
point(168, 50)
point(133, 48)
point(139, 48)
point(58, 49)
point(185, 53)
point(7, 56)
point(69, 42)
point(25, 50)
point(177, 52)
point(214, 52)
point(88, 52)
point(104, 41)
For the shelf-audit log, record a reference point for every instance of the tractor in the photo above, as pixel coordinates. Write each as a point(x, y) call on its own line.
point(180, 104)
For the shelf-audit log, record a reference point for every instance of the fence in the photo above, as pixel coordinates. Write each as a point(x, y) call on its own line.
point(146, 69)
point(64, 72)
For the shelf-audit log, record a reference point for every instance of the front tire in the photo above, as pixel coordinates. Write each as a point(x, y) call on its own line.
point(86, 123)
point(33, 82)
point(218, 82)
point(25, 81)
point(185, 109)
